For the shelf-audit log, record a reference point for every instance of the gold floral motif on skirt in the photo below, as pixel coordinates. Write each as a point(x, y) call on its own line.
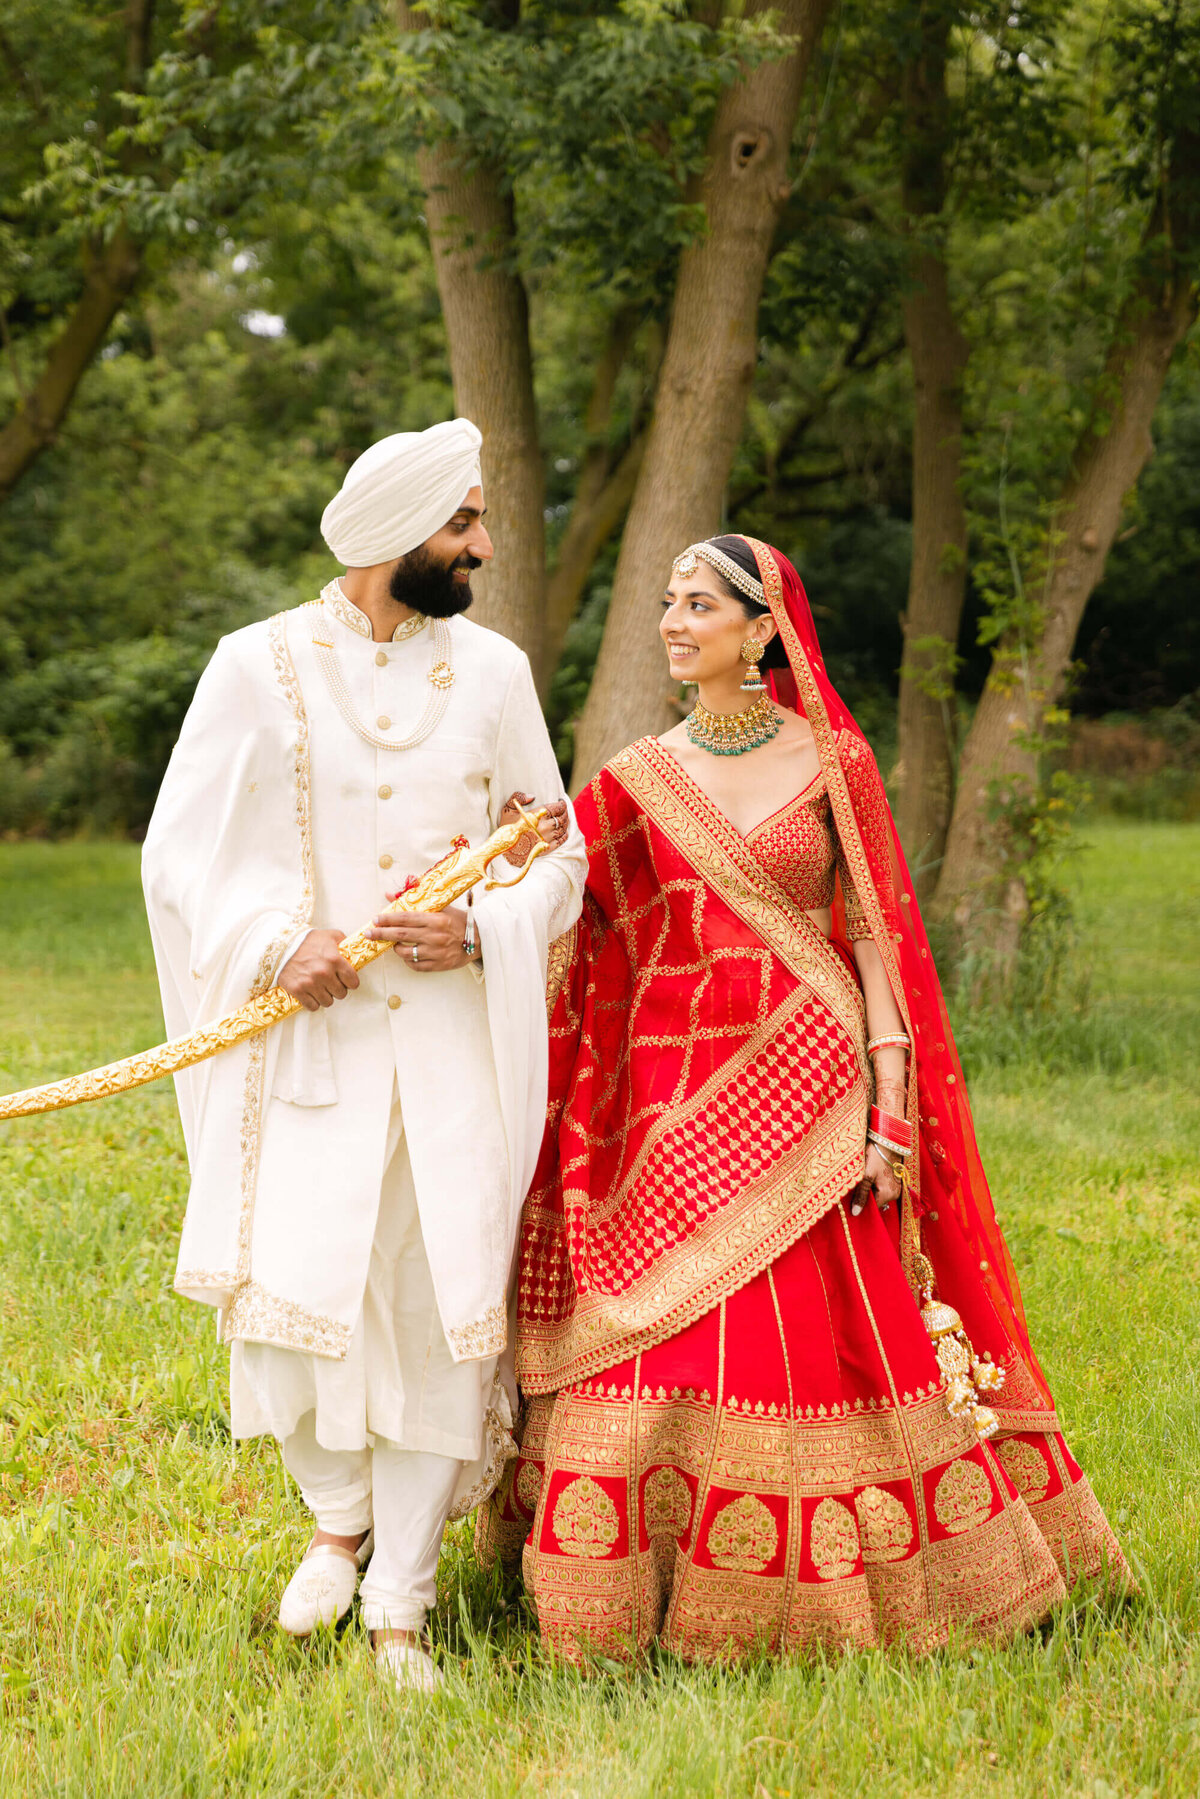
point(666, 1503)
point(1026, 1467)
point(743, 1535)
point(963, 1500)
point(833, 1540)
point(585, 1519)
point(884, 1525)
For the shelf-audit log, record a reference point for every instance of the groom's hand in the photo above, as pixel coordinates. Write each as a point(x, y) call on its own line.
point(318, 973)
point(437, 938)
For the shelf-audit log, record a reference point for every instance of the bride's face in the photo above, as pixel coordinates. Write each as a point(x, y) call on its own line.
point(704, 628)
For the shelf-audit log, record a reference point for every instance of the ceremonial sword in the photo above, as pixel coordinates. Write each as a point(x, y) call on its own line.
point(457, 872)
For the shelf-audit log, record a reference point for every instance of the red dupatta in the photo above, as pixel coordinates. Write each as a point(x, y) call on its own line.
point(952, 1217)
point(708, 1081)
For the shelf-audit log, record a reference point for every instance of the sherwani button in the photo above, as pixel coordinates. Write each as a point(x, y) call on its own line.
point(380, 659)
point(384, 722)
point(385, 793)
point(394, 1001)
point(385, 861)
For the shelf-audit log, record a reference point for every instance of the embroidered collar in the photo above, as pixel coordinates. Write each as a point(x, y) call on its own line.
point(357, 621)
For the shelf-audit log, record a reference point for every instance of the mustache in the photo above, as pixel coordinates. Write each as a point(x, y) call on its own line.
point(467, 562)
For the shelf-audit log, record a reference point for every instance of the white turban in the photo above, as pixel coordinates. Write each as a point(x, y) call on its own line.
point(400, 491)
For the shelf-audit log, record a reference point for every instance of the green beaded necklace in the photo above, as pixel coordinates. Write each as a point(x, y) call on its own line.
point(733, 733)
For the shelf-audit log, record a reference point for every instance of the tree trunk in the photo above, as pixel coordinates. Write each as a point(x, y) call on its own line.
point(708, 366)
point(600, 504)
point(486, 310)
point(603, 491)
point(1108, 459)
point(924, 775)
point(111, 273)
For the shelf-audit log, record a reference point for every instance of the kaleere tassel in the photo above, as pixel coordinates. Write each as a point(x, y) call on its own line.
point(966, 1374)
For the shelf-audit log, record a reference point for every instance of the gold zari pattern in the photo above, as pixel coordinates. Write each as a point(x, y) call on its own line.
point(483, 1337)
point(585, 1519)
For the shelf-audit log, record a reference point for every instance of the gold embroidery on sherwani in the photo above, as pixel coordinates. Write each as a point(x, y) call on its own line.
point(743, 1536)
point(1025, 1466)
point(256, 1316)
point(884, 1525)
point(483, 1336)
point(963, 1497)
point(585, 1519)
point(833, 1540)
point(251, 1310)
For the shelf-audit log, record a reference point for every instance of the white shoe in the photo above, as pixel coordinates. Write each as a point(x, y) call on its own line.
point(322, 1589)
point(410, 1668)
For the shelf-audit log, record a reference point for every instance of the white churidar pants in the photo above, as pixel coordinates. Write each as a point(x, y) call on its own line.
point(406, 1493)
point(382, 1436)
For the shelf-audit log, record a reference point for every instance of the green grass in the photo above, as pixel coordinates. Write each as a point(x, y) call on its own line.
point(143, 1554)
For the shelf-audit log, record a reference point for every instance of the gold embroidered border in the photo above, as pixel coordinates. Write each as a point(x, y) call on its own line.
point(247, 1299)
point(734, 1245)
point(499, 1450)
point(557, 964)
point(988, 1582)
point(252, 1094)
point(255, 1316)
point(843, 810)
point(350, 615)
point(482, 1337)
point(202, 1277)
point(672, 1118)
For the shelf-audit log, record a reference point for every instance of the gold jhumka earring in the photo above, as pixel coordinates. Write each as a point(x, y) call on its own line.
point(753, 653)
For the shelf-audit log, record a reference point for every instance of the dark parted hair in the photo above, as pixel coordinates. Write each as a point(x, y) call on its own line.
point(739, 551)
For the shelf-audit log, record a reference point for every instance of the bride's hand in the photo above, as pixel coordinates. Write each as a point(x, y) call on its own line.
point(879, 1175)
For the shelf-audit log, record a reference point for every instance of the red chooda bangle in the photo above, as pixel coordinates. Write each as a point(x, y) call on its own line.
point(896, 1130)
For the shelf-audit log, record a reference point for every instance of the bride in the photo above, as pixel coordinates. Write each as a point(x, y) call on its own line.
point(777, 1379)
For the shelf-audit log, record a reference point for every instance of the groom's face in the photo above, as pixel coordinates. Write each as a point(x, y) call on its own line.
point(435, 578)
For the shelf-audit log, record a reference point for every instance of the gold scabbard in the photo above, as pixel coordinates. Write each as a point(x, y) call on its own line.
point(438, 888)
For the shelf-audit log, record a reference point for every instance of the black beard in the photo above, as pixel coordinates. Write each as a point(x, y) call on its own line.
point(426, 585)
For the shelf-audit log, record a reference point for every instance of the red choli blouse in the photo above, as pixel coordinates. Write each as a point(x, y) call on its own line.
point(799, 849)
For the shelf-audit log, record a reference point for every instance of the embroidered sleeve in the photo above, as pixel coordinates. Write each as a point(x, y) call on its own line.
point(857, 928)
point(873, 818)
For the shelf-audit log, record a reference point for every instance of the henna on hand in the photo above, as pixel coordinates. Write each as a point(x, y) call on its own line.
point(552, 829)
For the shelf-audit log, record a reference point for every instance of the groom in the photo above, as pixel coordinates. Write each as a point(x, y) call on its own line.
point(358, 1172)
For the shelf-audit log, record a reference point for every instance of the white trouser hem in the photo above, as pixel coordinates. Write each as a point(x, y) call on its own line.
point(393, 1614)
point(344, 1513)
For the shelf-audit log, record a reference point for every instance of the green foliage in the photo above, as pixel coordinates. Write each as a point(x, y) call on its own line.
point(270, 161)
point(1139, 647)
point(145, 1552)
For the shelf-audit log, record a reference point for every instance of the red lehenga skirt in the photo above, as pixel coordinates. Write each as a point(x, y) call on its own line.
point(784, 1473)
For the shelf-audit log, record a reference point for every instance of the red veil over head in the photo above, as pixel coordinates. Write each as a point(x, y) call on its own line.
point(952, 1207)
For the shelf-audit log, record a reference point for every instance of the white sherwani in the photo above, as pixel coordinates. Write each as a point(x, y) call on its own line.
point(275, 817)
